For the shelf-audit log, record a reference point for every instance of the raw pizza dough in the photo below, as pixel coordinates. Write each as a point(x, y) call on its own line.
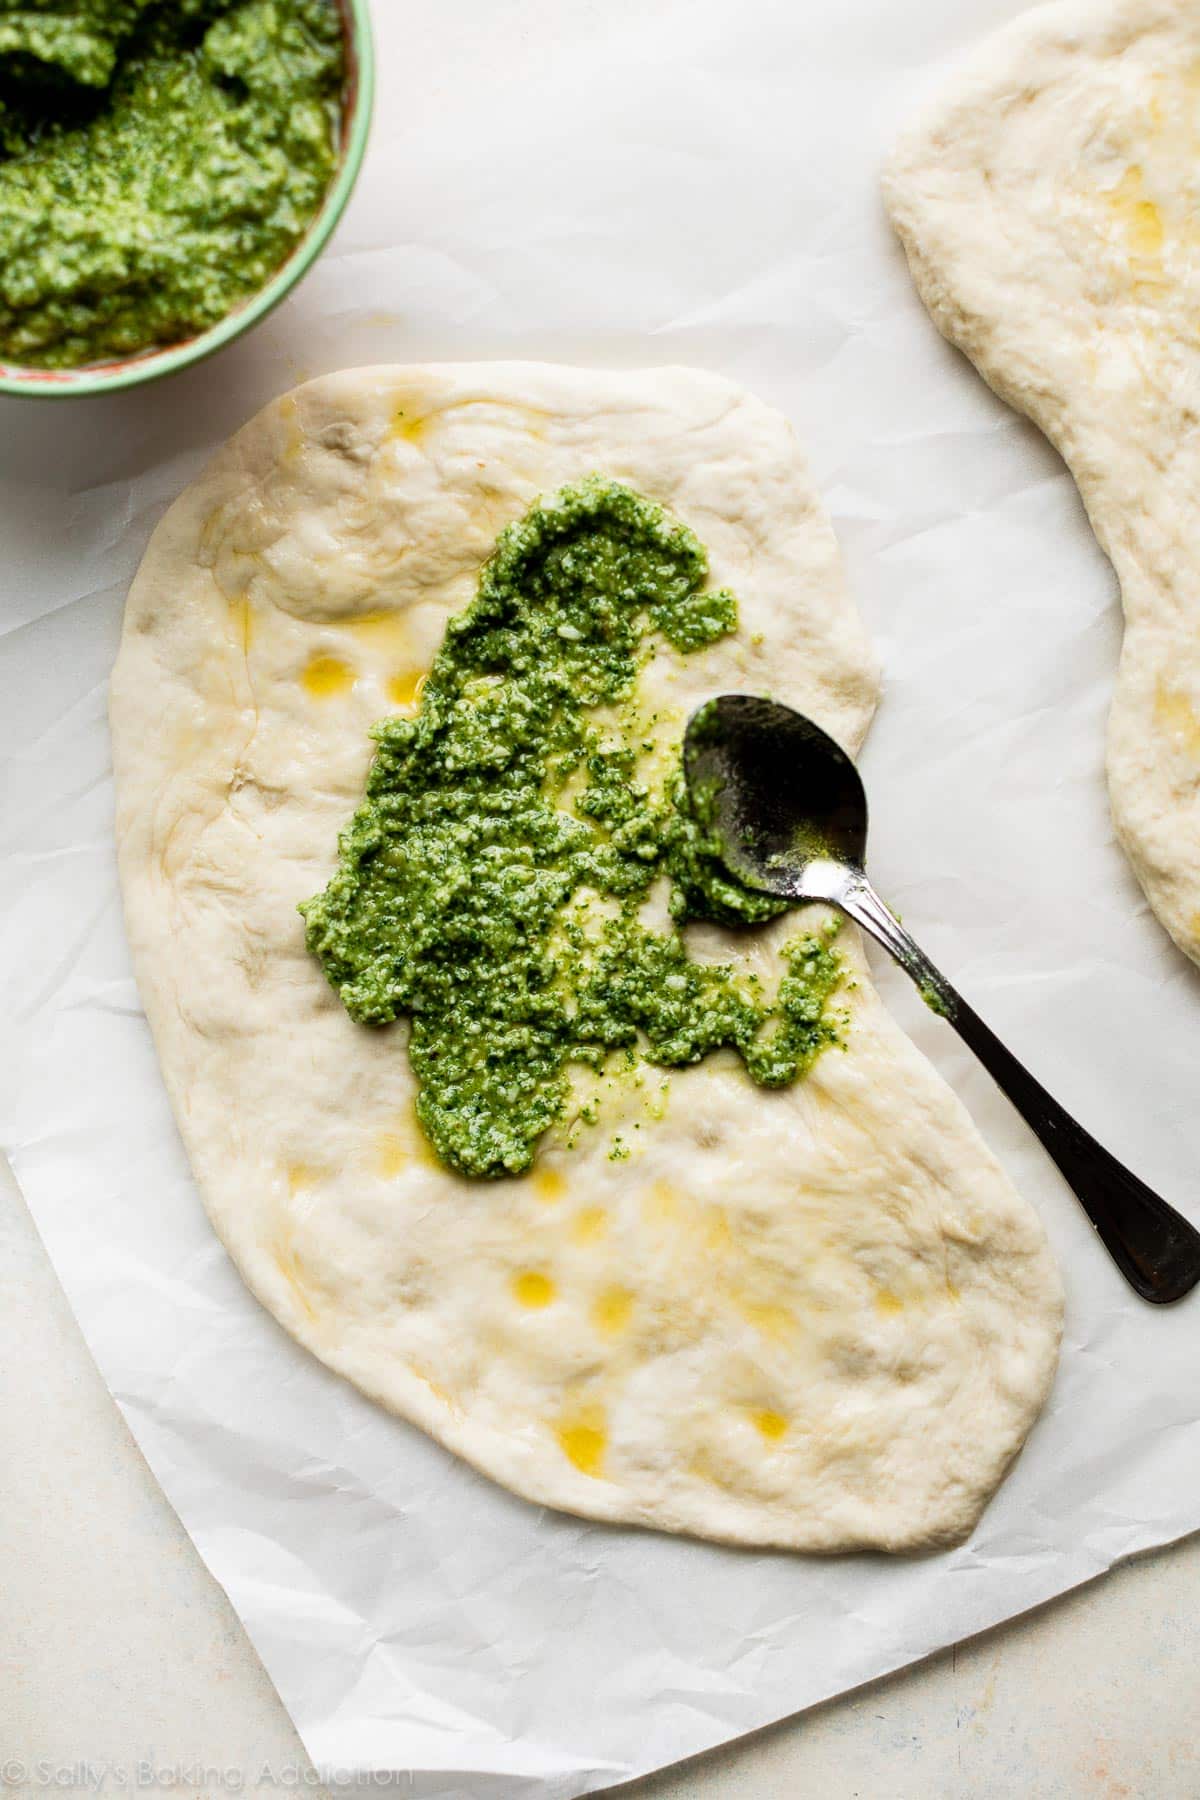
point(1048, 204)
point(817, 1318)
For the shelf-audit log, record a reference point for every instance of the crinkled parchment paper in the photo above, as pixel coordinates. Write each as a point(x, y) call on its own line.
point(636, 182)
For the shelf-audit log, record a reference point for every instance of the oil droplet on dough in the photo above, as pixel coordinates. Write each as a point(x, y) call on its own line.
point(661, 1204)
point(419, 1148)
point(533, 1289)
point(404, 687)
point(589, 1224)
point(718, 1238)
point(612, 1310)
point(325, 676)
point(887, 1302)
point(289, 412)
point(288, 1263)
point(1176, 716)
point(384, 629)
point(772, 1321)
point(436, 1389)
point(583, 1438)
point(393, 1154)
point(409, 425)
point(772, 1425)
point(1140, 218)
point(549, 1184)
point(241, 617)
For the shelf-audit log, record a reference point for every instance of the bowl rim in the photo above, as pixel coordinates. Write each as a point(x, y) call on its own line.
point(151, 365)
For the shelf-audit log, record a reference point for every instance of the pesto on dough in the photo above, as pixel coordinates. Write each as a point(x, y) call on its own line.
point(159, 159)
point(490, 885)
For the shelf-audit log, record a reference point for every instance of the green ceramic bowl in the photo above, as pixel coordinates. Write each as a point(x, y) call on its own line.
point(148, 365)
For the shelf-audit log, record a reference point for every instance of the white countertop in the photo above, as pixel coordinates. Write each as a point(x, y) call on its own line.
point(124, 1669)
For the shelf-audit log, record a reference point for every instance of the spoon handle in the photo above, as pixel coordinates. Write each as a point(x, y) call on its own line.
point(1156, 1249)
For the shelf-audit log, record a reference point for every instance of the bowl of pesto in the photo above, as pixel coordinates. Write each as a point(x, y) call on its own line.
point(169, 169)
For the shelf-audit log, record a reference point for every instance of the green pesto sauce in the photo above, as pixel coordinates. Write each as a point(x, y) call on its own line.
point(489, 886)
point(159, 159)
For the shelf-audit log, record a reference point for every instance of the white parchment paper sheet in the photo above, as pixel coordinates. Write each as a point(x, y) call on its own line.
point(626, 182)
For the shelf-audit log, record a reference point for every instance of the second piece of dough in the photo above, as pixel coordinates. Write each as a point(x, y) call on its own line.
point(1047, 204)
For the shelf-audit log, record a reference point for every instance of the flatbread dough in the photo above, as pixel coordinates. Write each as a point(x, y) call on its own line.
point(817, 1318)
point(1048, 205)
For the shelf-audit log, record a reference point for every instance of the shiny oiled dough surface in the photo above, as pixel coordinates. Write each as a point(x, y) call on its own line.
point(817, 1318)
point(1048, 202)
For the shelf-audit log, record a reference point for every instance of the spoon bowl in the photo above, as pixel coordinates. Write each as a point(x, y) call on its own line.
point(779, 791)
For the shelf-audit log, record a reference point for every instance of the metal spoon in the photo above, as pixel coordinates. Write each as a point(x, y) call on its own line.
point(790, 817)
